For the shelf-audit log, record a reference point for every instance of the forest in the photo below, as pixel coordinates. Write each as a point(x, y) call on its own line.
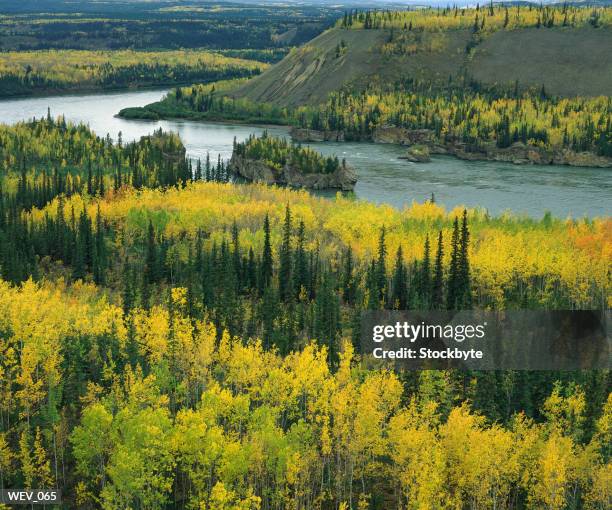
point(27, 72)
point(147, 26)
point(74, 47)
point(486, 18)
point(173, 340)
point(461, 113)
point(277, 152)
point(473, 116)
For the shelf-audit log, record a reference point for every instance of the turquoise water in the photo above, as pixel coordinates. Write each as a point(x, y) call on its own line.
point(383, 178)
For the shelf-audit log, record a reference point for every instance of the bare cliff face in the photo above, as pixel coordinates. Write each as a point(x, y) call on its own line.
point(344, 178)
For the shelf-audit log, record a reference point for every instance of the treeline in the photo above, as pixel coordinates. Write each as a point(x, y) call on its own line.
point(251, 27)
point(151, 410)
point(471, 116)
point(175, 344)
point(41, 159)
point(211, 102)
point(220, 365)
point(269, 56)
point(277, 152)
point(465, 112)
point(485, 18)
point(52, 71)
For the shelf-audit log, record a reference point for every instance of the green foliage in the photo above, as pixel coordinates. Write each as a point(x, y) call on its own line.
point(487, 18)
point(278, 152)
point(72, 70)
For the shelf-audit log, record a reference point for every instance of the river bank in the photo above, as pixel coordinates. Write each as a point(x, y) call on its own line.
point(517, 154)
point(343, 178)
point(530, 190)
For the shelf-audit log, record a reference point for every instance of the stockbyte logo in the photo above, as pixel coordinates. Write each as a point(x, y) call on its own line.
point(488, 340)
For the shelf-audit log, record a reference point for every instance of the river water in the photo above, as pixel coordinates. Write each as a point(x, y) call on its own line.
point(383, 178)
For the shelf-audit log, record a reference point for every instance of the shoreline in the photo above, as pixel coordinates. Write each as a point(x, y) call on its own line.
point(450, 150)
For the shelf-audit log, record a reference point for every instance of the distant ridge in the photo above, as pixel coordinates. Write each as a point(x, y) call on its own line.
point(567, 61)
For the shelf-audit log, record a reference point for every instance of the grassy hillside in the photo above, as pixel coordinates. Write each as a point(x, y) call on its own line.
point(568, 60)
point(339, 57)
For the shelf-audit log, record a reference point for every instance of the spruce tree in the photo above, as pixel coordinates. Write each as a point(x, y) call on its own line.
point(100, 250)
point(266, 258)
point(437, 292)
point(399, 285)
point(251, 276)
point(464, 284)
point(300, 271)
point(425, 275)
point(285, 283)
point(151, 265)
point(381, 267)
point(453, 290)
point(236, 259)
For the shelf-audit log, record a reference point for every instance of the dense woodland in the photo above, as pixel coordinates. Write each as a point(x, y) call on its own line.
point(73, 70)
point(457, 109)
point(473, 118)
point(472, 115)
point(278, 152)
point(174, 343)
point(485, 18)
point(170, 339)
point(158, 25)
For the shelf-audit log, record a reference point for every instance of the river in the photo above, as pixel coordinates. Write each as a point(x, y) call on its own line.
point(383, 178)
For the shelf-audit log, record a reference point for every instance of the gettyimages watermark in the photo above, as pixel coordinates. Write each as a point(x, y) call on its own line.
point(487, 340)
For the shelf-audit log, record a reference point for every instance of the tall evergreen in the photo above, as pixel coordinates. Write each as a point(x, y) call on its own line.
point(437, 291)
point(425, 275)
point(100, 250)
point(266, 257)
point(453, 289)
point(300, 270)
point(464, 284)
point(236, 258)
point(348, 291)
point(381, 267)
point(399, 287)
point(285, 282)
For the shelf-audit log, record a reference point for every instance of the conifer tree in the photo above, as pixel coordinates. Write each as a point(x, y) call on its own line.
point(266, 258)
point(100, 250)
point(464, 284)
point(399, 286)
point(285, 282)
point(381, 267)
point(437, 293)
point(300, 270)
point(151, 256)
point(347, 277)
point(236, 259)
point(453, 290)
point(425, 275)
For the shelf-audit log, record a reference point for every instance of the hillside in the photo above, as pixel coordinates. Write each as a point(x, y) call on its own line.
point(567, 61)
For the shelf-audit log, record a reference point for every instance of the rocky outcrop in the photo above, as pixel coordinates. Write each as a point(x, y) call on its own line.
point(344, 178)
point(403, 136)
point(522, 154)
point(418, 153)
point(518, 153)
point(313, 135)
